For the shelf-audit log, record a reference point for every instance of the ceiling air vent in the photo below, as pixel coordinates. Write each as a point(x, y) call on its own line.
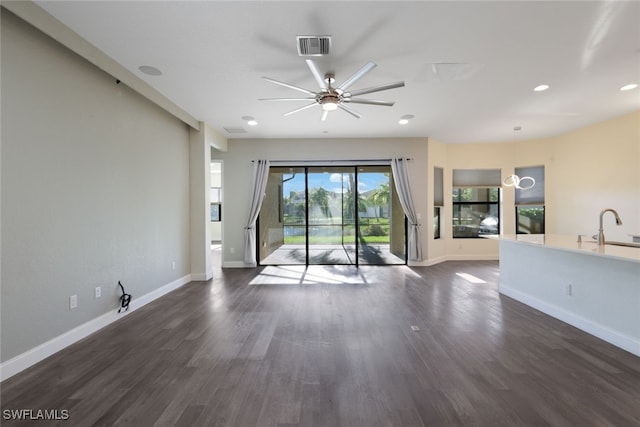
point(235, 130)
point(313, 45)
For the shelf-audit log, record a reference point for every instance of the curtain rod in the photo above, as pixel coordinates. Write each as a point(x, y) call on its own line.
point(330, 162)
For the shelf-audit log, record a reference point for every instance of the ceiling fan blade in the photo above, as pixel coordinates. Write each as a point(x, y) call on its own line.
point(357, 75)
point(325, 113)
point(286, 99)
point(300, 109)
point(369, 101)
point(349, 110)
point(290, 86)
point(374, 89)
point(316, 74)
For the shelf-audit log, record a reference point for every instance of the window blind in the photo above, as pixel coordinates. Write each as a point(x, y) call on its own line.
point(535, 195)
point(438, 190)
point(476, 178)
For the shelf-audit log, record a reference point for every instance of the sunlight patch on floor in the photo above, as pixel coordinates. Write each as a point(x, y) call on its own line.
point(316, 274)
point(470, 278)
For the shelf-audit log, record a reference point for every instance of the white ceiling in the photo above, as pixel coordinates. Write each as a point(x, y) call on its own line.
point(212, 55)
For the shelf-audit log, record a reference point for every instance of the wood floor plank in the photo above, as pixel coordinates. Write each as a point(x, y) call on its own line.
point(323, 353)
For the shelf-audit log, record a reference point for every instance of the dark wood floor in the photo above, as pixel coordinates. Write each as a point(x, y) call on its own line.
point(223, 353)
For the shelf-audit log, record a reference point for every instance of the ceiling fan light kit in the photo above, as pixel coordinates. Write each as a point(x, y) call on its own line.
point(329, 103)
point(331, 98)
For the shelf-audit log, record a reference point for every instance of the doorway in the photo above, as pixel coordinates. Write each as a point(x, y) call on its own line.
point(331, 215)
point(215, 225)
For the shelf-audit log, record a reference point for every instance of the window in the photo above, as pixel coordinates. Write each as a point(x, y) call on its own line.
point(530, 219)
point(476, 211)
point(530, 202)
point(476, 202)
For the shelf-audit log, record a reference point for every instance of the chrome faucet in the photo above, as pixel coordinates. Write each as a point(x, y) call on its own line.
point(601, 230)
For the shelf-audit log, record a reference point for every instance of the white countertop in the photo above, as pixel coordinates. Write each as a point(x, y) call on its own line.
point(570, 244)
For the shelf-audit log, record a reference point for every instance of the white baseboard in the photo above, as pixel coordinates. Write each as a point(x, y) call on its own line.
point(237, 264)
point(201, 277)
point(444, 258)
point(41, 352)
point(473, 257)
point(433, 261)
point(623, 341)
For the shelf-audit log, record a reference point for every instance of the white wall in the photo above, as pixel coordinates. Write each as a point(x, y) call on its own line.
point(604, 291)
point(95, 189)
point(237, 174)
point(595, 168)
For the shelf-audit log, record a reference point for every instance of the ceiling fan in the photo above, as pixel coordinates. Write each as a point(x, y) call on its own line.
point(332, 98)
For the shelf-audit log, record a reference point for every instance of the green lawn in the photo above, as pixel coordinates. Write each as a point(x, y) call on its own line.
point(374, 231)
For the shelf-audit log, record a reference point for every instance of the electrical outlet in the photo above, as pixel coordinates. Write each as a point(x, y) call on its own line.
point(73, 302)
point(173, 265)
point(98, 292)
point(232, 250)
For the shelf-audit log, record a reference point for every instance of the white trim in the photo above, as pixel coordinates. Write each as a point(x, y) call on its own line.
point(473, 257)
point(237, 264)
point(611, 336)
point(201, 277)
point(54, 345)
point(433, 261)
point(444, 258)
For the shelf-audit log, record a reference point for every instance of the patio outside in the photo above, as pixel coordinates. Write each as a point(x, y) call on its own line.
point(344, 226)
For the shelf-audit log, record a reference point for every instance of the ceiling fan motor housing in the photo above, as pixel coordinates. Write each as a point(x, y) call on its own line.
point(329, 101)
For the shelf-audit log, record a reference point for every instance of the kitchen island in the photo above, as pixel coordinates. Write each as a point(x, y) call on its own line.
point(594, 288)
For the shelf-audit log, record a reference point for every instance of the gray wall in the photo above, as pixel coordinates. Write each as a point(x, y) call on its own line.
point(95, 189)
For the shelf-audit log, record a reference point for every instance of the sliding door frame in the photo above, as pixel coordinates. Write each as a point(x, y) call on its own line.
point(357, 230)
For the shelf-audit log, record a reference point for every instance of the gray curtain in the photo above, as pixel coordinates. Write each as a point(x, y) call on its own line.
point(260, 177)
point(401, 179)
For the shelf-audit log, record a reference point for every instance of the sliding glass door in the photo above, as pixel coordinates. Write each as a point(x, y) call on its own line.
point(331, 233)
point(331, 215)
point(381, 220)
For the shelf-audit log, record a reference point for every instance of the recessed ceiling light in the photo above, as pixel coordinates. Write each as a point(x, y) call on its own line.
point(148, 69)
point(250, 120)
point(405, 119)
point(629, 86)
point(540, 88)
